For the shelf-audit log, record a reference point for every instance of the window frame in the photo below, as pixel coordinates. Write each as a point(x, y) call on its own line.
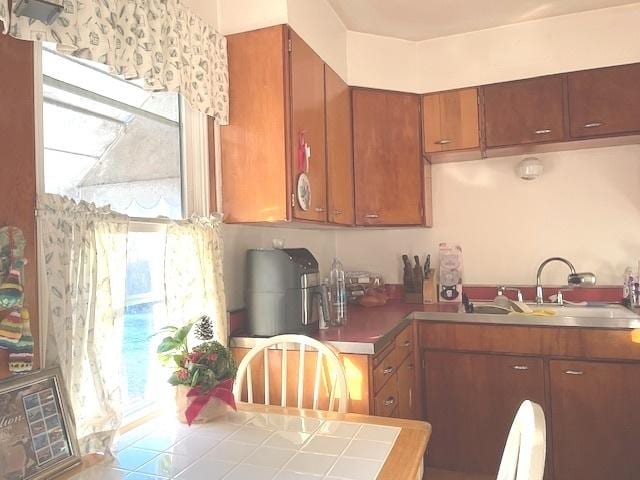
point(194, 172)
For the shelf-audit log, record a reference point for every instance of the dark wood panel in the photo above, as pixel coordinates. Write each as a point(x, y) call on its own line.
point(307, 119)
point(596, 420)
point(604, 101)
point(254, 150)
point(339, 149)
point(471, 400)
point(525, 111)
point(18, 165)
point(387, 158)
point(566, 342)
point(356, 368)
point(407, 389)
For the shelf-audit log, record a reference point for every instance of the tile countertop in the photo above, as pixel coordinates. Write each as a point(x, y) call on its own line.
point(369, 330)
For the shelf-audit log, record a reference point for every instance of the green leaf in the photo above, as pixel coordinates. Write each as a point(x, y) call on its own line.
point(169, 328)
point(194, 380)
point(167, 344)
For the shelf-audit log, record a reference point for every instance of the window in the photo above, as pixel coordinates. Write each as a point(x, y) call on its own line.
point(108, 141)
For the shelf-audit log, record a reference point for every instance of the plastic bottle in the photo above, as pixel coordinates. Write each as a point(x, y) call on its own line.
point(338, 294)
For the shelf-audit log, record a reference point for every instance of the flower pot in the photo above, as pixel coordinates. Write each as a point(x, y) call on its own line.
point(213, 409)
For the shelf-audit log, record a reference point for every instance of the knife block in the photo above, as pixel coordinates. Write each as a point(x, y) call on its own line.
point(430, 288)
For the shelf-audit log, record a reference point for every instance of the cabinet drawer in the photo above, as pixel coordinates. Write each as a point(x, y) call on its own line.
point(386, 400)
point(404, 343)
point(386, 369)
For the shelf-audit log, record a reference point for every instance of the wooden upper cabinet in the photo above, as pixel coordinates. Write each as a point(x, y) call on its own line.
point(604, 101)
point(450, 121)
point(254, 144)
point(524, 111)
point(308, 125)
point(339, 149)
point(387, 158)
point(596, 420)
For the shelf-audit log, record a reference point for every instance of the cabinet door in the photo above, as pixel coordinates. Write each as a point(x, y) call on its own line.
point(387, 158)
point(604, 101)
point(525, 111)
point(471, 400)
point(406, 389)
point(339, 149)
point(308, 126)
point(596, 420)
point(450, 121)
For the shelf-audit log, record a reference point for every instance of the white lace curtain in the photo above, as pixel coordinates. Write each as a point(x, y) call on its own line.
point(84, 250)
point(159, 41)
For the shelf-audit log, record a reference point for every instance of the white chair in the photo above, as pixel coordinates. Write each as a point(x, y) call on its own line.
point(524, 453)
point(336, 383)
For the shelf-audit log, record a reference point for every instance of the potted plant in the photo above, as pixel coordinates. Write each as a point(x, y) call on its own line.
point(203, 375)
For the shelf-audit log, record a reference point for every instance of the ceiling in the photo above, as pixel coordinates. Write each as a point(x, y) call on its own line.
point(425, 19)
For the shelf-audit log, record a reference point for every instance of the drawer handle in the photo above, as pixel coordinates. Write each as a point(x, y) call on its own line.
point(593, 125)
point(389, 401)
point(371, 215)
point(520, 367)
point(406, 343)
point(574, 372)
point(542, 131)
point(443, 142)
point(337, 212)
point(410, 367)
point(387, 370)
point(319, 209)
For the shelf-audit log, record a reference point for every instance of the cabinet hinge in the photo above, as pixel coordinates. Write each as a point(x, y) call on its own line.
point(293, 200)
point(423, 364)
point(290, 46)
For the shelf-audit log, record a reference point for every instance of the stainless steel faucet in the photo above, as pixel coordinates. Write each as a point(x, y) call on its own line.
point(502, 289)
point(574, 279)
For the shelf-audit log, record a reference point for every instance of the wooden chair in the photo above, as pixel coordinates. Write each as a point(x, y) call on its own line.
point(334, 376)
point(524, 453)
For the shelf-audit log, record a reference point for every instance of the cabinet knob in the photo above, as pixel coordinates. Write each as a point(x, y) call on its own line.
point(574, 372)
point(520, 367)
point(387, 371)
point(371, 215)
point(443, 142)
point(319, 209)
point(337, 212)
point(389, 401)
point(593, 125)
point(542, 131)
point(407, 343)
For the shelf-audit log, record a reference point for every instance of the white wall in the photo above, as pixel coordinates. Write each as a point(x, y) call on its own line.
point(243, 15)
point(381, 62)
point(580, 41)
point(585, 207)
point(239, 238)
point(318, 25)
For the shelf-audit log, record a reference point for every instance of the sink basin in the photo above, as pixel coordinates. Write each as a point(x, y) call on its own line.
point(603, 311)
point(587, 311)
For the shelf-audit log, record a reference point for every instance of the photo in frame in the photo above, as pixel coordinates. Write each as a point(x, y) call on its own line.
point(37, 434)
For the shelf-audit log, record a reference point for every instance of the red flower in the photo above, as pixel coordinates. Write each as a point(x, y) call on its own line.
point(213, 357)
point(182, 374)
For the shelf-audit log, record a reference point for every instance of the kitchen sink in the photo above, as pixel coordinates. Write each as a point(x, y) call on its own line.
point(603, 310)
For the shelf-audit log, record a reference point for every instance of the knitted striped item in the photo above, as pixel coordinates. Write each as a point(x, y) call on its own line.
point(10, 329)
point(11, 293)
point(21, 354)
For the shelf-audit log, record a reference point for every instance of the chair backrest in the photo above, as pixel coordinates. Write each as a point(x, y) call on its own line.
point(524, 453)
point(334, 374)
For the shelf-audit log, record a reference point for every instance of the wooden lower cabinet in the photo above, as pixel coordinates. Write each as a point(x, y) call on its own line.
point(471, 400)
point(595, 409)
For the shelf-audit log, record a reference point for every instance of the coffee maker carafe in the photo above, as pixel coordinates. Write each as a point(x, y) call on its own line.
point(283, 292)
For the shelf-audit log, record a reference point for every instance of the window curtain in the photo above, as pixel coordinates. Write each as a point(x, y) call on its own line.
point(193, 273)
point(159, 41)
point(84, 250)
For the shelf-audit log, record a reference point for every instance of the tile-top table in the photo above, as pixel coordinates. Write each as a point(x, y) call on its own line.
point(268, 442)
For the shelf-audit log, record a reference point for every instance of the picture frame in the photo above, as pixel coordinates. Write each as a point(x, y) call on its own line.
point(37, 432)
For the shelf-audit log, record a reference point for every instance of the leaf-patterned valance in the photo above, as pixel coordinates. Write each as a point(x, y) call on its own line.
point(159, 41)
